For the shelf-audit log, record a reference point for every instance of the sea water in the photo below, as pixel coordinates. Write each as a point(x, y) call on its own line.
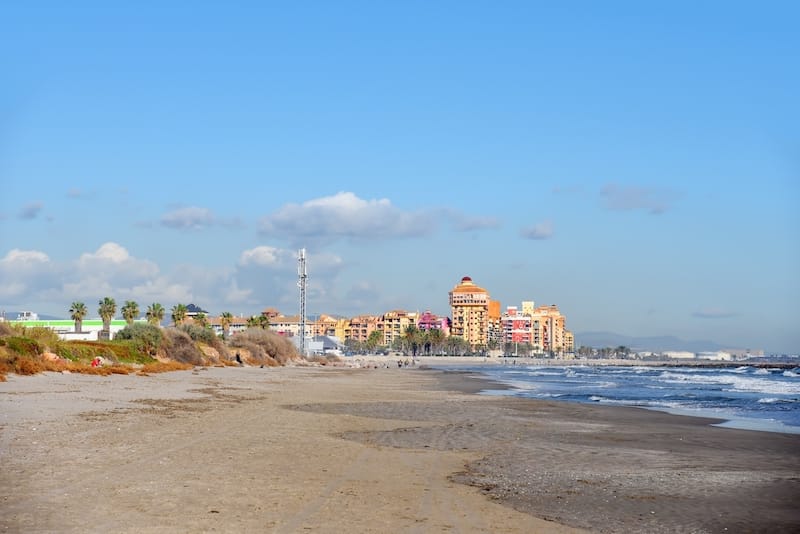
point(766, 399)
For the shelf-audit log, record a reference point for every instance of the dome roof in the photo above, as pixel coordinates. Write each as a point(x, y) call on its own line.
point(468, 286)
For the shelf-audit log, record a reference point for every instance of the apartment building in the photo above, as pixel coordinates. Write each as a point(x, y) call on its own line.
point(393, 325)
point(549, 330)
point(237, 324)
point(431, 321)
point(285, 325)
point(322, 325)
point(516, 326)
point(361, 327)
point(543, 328)
point(470, 304)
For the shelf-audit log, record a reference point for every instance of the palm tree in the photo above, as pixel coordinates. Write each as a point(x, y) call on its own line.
point(130, 311)
point(434, 338)
point(201, 320)
point(77, 312)
point(252, 321)
point(263, 322)
point(108, 307)
point(414, 339)
point(225, 321)
point(373, 340)
point(155, 314)
point(178, 314)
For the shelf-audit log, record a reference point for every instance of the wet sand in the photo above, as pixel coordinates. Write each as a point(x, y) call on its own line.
point(370, 450)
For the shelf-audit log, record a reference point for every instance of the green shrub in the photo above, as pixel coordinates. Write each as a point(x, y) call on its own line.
point(145, 338)
point(77, 350)
point(207, 336)
point(198, 333)
point(128, 351)
point(23, 346)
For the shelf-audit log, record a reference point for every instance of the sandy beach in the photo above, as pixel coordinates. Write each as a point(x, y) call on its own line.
point(309, 449)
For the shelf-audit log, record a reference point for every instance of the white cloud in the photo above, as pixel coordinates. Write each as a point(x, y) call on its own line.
point(107, 252)
point(542, 230)
point(344, 215)
point(17, 256)
point(259, 277)
point(265, 256)
point(113, 260)
point(188, 218)
point(20, 270)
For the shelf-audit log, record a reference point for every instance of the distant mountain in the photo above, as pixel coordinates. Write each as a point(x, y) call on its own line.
point(652, 343)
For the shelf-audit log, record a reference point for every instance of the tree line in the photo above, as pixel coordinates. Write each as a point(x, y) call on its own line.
point(154, 314)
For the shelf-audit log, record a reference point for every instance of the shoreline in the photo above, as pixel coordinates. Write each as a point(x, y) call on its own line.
point(449, 361)
point(498, 388)
point(370, 450)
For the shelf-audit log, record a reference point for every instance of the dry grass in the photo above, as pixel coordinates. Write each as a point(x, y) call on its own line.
point(31, 365)
point(163, 367)
point(327, 359)
point(180, 347)
point(265, 347)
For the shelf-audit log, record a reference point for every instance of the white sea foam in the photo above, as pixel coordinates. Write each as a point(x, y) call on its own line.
point(791, 374)
point(521, 385)
point(735, 383)
point(777, 400)
point(536, 371)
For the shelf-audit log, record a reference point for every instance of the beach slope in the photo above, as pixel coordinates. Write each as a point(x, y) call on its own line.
point(369, 450)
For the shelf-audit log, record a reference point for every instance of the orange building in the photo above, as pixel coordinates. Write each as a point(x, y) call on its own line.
point(393, 325)
point(472, 319)
point(361, 327)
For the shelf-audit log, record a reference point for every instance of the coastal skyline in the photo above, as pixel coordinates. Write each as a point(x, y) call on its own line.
point(636, 165)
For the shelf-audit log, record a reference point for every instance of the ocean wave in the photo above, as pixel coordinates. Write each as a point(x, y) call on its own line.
point(538, 371)
point(735, 382)
point(777, 400)
point(792, 374)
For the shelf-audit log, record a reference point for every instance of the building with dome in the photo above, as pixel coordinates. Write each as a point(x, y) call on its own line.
point(471, 308)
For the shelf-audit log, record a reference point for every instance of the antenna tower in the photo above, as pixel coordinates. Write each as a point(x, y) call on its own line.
point(302, 276)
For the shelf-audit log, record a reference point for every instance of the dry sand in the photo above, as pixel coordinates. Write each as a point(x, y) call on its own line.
point(369, 450)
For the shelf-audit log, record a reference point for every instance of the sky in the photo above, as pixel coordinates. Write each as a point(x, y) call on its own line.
point(635, 163)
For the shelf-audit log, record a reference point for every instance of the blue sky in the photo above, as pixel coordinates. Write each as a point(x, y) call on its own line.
point(636, 163)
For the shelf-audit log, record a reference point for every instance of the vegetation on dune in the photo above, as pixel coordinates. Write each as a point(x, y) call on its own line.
point(145, 338)
point(181, 347)
point(142, 348)
point(207, 337)
point(264, 347)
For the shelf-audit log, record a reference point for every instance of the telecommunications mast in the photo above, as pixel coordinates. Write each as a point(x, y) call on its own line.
point(301, 283)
